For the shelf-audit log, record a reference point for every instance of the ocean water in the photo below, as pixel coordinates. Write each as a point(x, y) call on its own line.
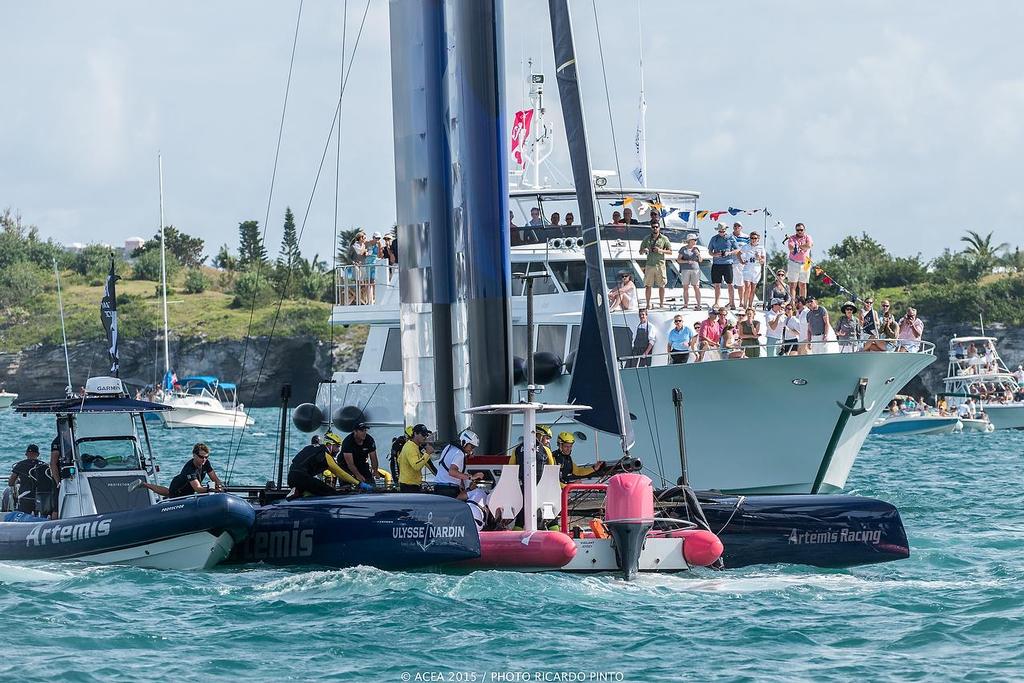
point(953, 611)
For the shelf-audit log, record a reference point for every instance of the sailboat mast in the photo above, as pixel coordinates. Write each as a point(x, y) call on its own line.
point(163, 261)
point(63, 332)
point(641, 126)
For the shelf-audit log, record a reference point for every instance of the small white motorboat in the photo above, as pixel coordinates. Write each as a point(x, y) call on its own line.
point(207, 403)
point(7, 398)
point(916, 422)
point(979, 424)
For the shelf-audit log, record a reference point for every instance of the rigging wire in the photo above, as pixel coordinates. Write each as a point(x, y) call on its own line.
point(337, 186)
point(323, 157)
point(266, 220)
point(655, 435)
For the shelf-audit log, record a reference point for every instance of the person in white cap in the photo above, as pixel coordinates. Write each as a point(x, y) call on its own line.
point(689, 270)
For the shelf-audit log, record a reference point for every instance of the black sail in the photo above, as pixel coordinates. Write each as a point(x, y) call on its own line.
point(595, 377)
point(108, 314)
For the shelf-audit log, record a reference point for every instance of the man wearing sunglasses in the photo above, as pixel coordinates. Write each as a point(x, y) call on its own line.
point(799, 262)
point(190, 479)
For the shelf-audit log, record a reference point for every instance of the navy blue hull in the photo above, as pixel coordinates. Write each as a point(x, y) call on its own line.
point(816, 530)
point(80, 537)
point(392, 531)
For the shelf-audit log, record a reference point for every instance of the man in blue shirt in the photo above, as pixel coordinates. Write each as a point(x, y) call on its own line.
point(679, 338)
point(724, 249)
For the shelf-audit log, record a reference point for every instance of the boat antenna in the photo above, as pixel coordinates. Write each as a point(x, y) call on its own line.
point(981, 318)
point(63, 333)
point(640, 172)
point(163, 262)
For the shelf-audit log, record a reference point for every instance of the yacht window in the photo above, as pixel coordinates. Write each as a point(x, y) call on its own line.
point(611, 272)
point(543, 285)
point(109, 454)
point(519, 341)
point(551, 338)
point(392, 360)
point(622, 335)
point(571, 274)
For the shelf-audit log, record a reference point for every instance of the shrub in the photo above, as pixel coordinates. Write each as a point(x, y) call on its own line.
point(248, 289)
point(196, 281)
point(147, 265)
point(21, 283)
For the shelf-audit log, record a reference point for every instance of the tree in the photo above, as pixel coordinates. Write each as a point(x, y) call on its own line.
point(147, 265)
point(184, 248)
point(251, 251)
point(345, 240)
point(982, 249)
point(225, 260)
point(289, 257)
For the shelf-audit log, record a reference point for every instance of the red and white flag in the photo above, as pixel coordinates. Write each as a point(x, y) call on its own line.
point(520, 133)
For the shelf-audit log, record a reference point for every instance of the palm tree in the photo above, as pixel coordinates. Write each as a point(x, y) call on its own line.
point(982, 248)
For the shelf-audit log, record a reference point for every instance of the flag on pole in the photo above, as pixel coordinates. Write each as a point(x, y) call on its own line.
point(108, 315)
point(640, 143)
point(520, 133)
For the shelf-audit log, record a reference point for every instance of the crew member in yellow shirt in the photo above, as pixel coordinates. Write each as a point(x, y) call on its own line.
point(412, 460)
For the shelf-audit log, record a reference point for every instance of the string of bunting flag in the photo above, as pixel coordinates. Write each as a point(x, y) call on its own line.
point(827, 280)
point(643, 205)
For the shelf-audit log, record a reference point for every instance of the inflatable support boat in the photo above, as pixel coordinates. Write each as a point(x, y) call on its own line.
point(388, 531)
point(183, 533)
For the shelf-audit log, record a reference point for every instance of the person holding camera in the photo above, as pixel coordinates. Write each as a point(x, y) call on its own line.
point(911, 331)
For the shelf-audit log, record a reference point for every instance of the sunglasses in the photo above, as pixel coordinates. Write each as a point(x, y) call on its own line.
point(203, 457)
point(678, 320)
point(885, 305)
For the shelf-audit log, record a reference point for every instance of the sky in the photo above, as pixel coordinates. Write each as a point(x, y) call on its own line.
point(899, 119)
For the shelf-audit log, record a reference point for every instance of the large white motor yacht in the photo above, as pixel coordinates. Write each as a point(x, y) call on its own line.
point(765, 425)
point(976, 370)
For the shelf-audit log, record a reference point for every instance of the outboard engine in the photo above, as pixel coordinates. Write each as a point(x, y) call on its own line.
point(629, 505)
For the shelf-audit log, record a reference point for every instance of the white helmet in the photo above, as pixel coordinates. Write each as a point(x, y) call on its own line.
point(470, 437)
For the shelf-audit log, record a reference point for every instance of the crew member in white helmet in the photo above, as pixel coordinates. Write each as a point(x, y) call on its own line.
point(451, 479)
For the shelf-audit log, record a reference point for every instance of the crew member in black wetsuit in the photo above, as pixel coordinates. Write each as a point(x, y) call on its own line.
point(359, 453)
point(35, 486)
point(313, 460)
point(190, 479)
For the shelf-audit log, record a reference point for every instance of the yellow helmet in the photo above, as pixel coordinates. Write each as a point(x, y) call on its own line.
point(566, 437)
point(408, 431)
point(544, 430)
point(331, 437)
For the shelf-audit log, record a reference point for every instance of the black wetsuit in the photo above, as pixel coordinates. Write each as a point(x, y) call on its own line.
point(181, 485)
point(35, 486)
point(360, 456)
point(307, 463)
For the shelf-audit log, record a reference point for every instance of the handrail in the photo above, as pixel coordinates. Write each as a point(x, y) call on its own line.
point(814, 348)
point(563, 516)
point(363, 285)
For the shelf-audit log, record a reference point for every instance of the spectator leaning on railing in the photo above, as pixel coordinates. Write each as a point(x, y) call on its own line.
point(848, 329)
point(818, 326)
point(911, 331)
point(890, 329)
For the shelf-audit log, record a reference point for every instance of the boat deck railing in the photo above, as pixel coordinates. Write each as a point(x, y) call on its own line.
point(365, 285)
point(773, 350)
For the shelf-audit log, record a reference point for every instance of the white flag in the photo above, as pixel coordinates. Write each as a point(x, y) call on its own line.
point(640, 143)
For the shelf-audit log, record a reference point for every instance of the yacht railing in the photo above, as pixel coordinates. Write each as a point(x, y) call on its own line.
point(763, 350)
point(364, 285)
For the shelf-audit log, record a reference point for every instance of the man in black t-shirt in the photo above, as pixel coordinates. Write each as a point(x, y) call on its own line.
point(359, 455)
point(190, 479)
point(35, 487)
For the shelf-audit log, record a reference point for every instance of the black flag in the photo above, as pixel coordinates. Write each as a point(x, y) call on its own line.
point(108, 314)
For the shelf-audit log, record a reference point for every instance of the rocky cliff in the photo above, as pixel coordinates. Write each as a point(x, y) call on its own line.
point(1009, 344)
point(39, 372)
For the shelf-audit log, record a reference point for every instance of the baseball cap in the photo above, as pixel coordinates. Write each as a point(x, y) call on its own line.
point(691, 236)
point(421, 429)
point(376, 235)
point(810, 298)
point(32, 448)
point(360, 427)
point(721, 226)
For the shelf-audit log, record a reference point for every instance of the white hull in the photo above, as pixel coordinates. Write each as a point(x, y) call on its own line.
point(200, 550)
point(197, 418)
point(911, 425)
point(734, 417)
point(1009, 416)
point(976, 425)
point(7, 399)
